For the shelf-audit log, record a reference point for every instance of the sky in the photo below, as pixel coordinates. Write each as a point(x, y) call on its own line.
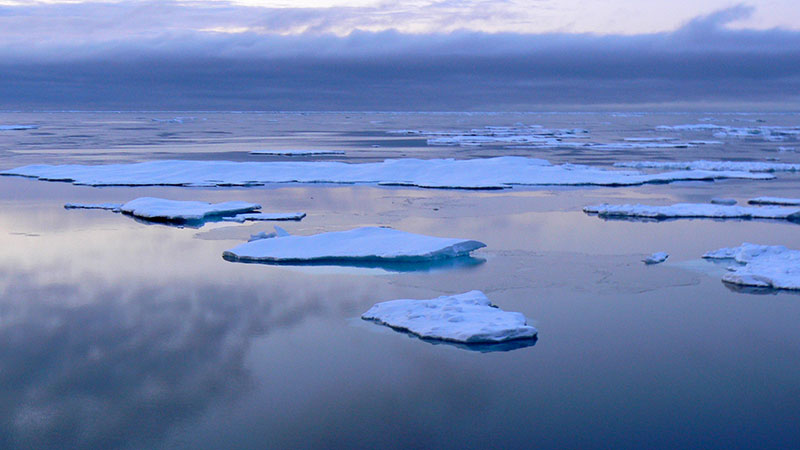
point(382, 55)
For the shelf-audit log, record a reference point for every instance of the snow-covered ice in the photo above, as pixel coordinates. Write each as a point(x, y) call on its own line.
point(774, 201)
point(693, 210)
point(265, 216)
point(723, 201)
point(360, 244)
point(159, 209)
point(296, 152)
point(482, 173)
point(656, 258)
point(106, 206)
point(766, 266)
point(469, 318)
point(744, 166)
point(767, 133)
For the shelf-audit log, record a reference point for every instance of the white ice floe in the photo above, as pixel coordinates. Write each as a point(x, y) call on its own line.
point(774, 201)
point(650, 139)
point(766, 266)
point(469, 318)
point(106, 206)
point(723, 201)
point(483, 173)
point(745, 166)
point(18, 127)
point(296, 152)
point(656, 258)
point(360, 244)
point(160, 209)
point(265, 216)
point(693, 210)
point(175, 120)
point(690, 127)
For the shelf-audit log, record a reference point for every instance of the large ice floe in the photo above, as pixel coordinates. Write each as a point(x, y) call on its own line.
point(497, 135)
point(360, 244)
point(159, 209)
point(468, 318)
point(743, 166)
point(761, 266)
point(367, 244)
point(483, 173)
point(767, 133)
point(693, 210)
point(774, 201)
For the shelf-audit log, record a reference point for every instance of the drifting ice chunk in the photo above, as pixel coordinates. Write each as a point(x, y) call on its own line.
point(159, 209)
point(468, 318)
point(484, 173)
point(656, 258)
point(265, 216)
point(745, 166)
point(296, 152)
point(360, 244)
point(775, 201)
point(694, 210)
point(770, 266)
point(723, 201)
point(107, 206)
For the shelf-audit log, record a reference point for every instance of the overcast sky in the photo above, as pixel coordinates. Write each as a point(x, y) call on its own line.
point(422, 54)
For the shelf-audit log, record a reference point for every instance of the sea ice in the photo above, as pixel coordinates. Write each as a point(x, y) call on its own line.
point(693, 210)
point(360, 244)
point(18, 127)
point(296, 152)
point(774, 201)
point(482, 173)
point(656, 258)
point(745, 166)
point(766, 266)
point(159, 209)
point(469, 318)
point(107, 206)
point(265, 216)
point(723, 201)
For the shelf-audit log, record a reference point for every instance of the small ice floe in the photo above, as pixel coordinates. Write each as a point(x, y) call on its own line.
point(693, 210)
point(656, 258)
point(723, 201)
point(650, 139)
point(18, 127)
point(175, 120)
point(690, 127)
point(107, 206)
point(468, 318)
point(367, 244)
point(745, 166)
point(159, 209)
point(480, 173)
point(774, 201)
point(265, 217)
point(786, 149)
point(296, 152)
point(761, 266)
point(706, 142)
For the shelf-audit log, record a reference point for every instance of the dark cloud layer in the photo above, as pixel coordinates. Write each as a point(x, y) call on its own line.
point(703, 62)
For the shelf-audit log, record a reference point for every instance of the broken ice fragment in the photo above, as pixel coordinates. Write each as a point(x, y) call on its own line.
point(468, 318)
point(723, 201)
point(656, 258)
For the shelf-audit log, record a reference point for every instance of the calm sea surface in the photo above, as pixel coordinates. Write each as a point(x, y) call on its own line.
point(120, 334)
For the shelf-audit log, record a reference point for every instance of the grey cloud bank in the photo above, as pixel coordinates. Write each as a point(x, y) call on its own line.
point(702, 63)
